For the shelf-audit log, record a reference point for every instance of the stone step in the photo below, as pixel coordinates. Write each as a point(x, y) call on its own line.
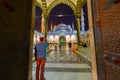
point(68, 65)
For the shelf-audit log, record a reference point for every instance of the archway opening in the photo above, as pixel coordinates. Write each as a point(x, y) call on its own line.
point(57, 17)
point(61, 14)
point(61, 21)
point(62, 40)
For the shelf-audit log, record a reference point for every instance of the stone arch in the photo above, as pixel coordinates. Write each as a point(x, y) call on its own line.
point(39, 5)
point(92, 38)
point(57, 2)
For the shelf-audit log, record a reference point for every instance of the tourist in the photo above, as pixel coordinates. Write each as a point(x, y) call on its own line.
point(40, 57)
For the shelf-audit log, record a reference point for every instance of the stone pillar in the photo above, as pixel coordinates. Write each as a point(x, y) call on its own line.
point(46, 26)
point(78, 28)
point(31, 40)
point(92, 42)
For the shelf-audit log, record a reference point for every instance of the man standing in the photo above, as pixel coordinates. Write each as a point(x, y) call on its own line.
point(40, 57)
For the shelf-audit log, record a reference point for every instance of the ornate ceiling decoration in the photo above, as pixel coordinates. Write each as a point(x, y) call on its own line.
point(39, 3)
point(49, 2)
point(67, 2)
point(48, 5)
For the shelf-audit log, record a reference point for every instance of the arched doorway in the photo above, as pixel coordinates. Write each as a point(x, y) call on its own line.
point(62, 36)
point(59, 15)
point(62, 40)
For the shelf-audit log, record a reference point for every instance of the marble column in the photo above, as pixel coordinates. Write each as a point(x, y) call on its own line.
point(78, 29)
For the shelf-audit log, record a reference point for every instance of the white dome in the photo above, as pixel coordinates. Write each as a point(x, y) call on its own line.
point(63, 27)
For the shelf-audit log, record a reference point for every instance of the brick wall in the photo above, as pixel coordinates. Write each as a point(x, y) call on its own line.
point(110, 27)
point(109, 49)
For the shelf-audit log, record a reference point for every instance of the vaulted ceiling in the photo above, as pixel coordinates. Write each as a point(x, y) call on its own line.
point(48, 5)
